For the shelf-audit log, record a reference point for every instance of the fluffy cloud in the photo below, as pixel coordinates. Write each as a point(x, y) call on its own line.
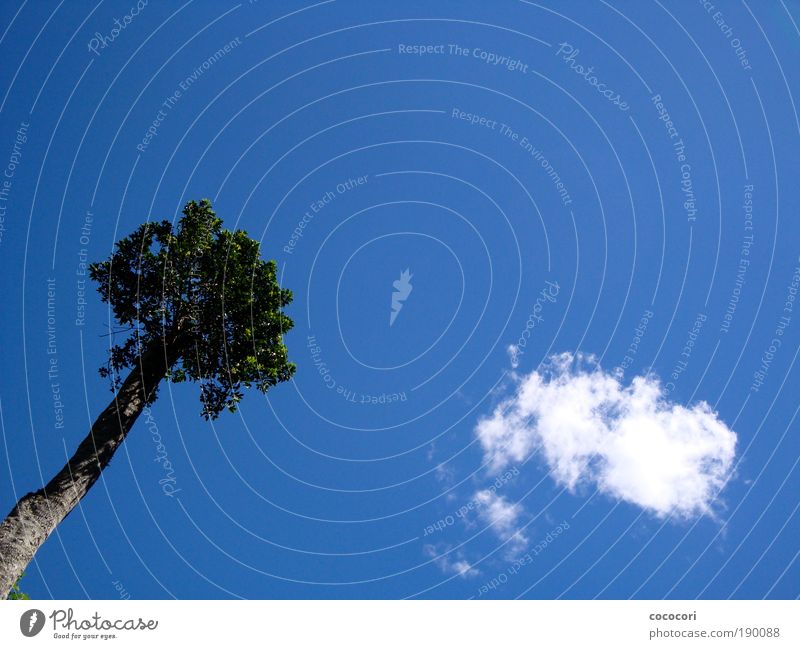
point(629, 440)
point(502, 515)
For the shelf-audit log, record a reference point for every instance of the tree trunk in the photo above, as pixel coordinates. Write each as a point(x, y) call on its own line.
point(38, 513)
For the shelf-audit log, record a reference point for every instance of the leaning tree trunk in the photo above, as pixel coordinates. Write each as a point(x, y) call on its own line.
point(38, 513)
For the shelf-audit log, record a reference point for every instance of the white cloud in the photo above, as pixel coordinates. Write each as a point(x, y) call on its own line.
point(513, 355)
point(502, 515)
point(450, 562)
point(629, 440)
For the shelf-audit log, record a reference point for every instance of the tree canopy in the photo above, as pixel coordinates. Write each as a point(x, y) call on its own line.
point(205, 296)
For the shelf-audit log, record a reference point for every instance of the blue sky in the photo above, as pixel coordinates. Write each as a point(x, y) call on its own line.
point(585, 177)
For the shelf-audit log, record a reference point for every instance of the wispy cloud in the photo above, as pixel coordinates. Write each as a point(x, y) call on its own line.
point(503, 516)
point(449, 562)
point(631, 441)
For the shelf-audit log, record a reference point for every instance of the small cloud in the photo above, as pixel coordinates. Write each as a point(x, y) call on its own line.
point(445, 474)
point(449, 562)
point(503, 516)
point(630, 441)
point(441, 472)
point(513, 356)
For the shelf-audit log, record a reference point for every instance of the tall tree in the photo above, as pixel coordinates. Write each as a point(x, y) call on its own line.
point(200, 305)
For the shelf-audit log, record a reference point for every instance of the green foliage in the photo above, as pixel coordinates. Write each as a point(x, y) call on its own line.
point(204, 294)
point(15, 592)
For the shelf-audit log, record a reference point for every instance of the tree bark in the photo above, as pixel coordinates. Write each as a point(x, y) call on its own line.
point(37, 514)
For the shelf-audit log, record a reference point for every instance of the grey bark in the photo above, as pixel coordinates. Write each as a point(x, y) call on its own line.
point(37, 514)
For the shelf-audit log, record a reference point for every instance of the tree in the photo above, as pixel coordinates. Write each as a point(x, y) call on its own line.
point(200, 305)
point(16, 591)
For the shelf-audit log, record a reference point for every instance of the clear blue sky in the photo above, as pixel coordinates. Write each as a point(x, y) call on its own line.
point(488, 164)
